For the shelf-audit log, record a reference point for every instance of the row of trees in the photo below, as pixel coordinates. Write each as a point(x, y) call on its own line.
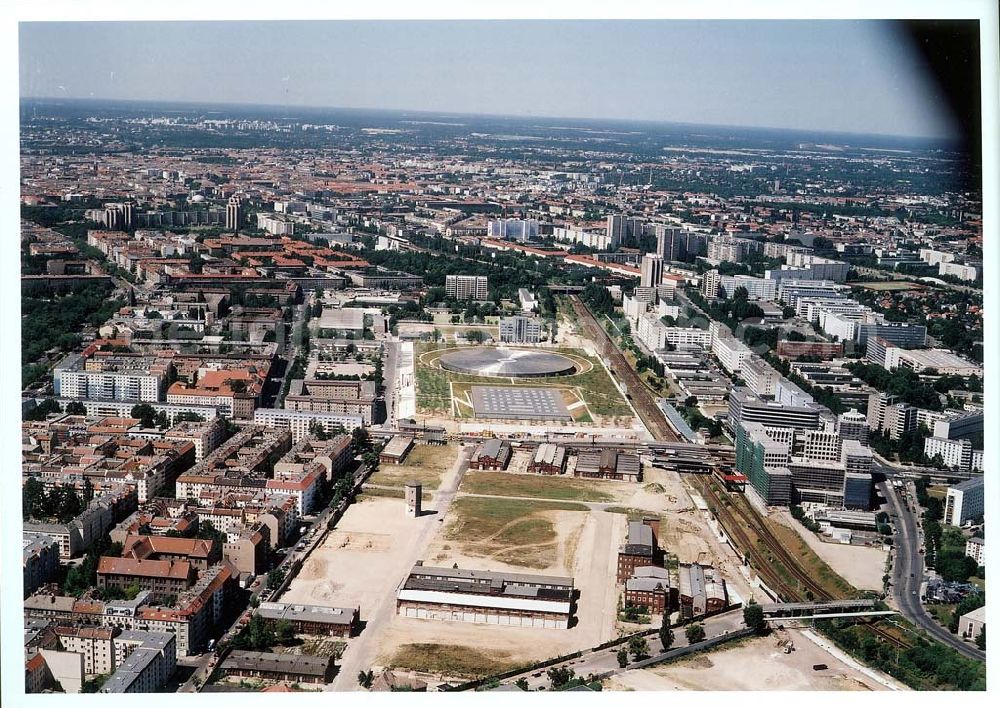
point(944, 547)
point(82, 577)
point(61, 503)
point(262, 634)
point(598, 299)
point(901, 382)
point(926, 665)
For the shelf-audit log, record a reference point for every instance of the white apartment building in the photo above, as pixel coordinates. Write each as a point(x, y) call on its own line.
point(954, 453)
point(821, 445)
point(760, 377)
point(710, 281)
point(634, 308)
point(757, 288)
point(664, 309)
point(205, 436)
point(791, 291)
point(810, 308)
point(528, 301)
point(655, 335)
point(940, 359)
point(975, 548)
point(965, 272)
point(932, 257)
point(591, 239)
point(467, 287)
point(123, 409)
point(513, 229)
point(822, 268)
point(731, 353)
point(275, 224)
point(301, 422)
point(964, 502)
point(728, 248)
point(117, 386)
point(843, 322)
point(651, 270)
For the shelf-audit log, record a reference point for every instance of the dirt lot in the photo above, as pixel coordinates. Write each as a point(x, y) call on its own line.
point(359, 561)
point(583, 544)
point(426, 464)
point(498, 533)
point(683, 531)
point(861, 566)
point(753, 665)
point(509, 534)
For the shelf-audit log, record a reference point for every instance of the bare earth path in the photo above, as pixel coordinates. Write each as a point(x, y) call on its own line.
point(362, 650)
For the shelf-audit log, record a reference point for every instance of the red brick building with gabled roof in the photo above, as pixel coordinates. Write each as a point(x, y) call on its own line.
point(200, 552)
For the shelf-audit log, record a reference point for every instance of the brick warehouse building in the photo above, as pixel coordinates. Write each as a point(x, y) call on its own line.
point(649, 588)
point(639, 550)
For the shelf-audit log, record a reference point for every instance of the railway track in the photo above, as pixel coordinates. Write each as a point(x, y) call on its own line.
point(734, 519)
point(641, 397)
point(735, 525)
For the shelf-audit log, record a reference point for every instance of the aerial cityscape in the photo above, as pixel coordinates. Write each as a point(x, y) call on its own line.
point(383, 399)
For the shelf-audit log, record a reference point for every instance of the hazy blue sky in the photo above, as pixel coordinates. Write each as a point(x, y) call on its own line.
point(848, 76)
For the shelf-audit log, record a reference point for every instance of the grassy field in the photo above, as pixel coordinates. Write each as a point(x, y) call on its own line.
point(942, 613)
point(593, 385)
point(425, 464)
point(452, 661)
point(479, 518)
point(512, 531)
point(889, 285)
point(505, 484)
point(938, 491)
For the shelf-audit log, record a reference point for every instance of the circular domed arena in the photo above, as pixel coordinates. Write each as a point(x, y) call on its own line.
point(507, 363)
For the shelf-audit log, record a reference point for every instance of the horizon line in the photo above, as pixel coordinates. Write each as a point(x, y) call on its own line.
point(652, 121)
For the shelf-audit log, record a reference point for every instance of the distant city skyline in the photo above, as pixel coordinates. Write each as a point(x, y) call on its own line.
point(837, 76)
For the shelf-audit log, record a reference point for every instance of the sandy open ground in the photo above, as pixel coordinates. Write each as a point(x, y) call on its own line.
point(363, 560)
point(587, 550)
point(360, 560)
point(684, 531)
point(520, 555)
point(427, 464)
point(861, 566)
point(753, 665)
point(581, 543)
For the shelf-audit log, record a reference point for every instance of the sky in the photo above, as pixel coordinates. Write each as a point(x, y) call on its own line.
point(843, 76)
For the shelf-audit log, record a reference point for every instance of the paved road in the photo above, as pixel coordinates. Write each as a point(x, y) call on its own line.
point(604, 660)
point(891, 469)
point(362, 650)
point(205, 663)
point(908, 573)
point(389, 376)
point(293, 349)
